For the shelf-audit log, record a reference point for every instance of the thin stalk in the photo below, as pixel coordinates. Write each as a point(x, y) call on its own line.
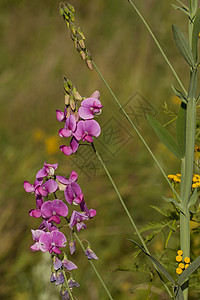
point(158, 45)
point(128, 214)
point(93, 266)
point(136, 130)
point(68, 288)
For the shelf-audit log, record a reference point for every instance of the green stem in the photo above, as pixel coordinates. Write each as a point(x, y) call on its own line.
point(128, 214)
point(158, 45)
point(68, 288)
point(93, 266)
point(136, 130)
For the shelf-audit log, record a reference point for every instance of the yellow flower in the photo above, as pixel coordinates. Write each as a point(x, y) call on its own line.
point(180, 252)
point(187, 260)
point(179, 271)
point(170, 176)
point(179, 258)
point(181, 266)
point(186, 266)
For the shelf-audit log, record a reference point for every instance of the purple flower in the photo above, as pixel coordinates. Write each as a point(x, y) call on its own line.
point(90, 254)
point(45, 225)
point(37, 212)
point(65, 295)
point(53, 210)
point(52, 241)
point(86, 130)
point(57, 263)
point(69, 265)
point(47, 170)
point(72, 246)
point(63, 182)
point(77, 219)
point(32, 188)
point(61, 116)
point(50, 186)
point(89, 212)
point(89, 108)
point(60, 279)
point(70, 127)
point(73, 283)
point(68, 150)
point(36, 234)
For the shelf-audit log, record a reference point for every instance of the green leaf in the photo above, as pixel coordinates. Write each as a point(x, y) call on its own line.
point(164, 136)
point(178, 293)
point(183, 9)
point(193, 198)
point(195, 35)
point(179, 94)
point(183, 45)
point(172, 200)
point(156, 262)
point(181, 128)
point(187, 272)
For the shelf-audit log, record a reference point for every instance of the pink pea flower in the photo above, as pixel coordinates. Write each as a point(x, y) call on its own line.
point(61, 116)
point(37, 212)
point(86, 130)
point(89, 212)
point(77, 219)
point(68, 150)
point(63, 182)
point(53, 210)
point(36, 234)
point(47, 226)
point(47, 170)
point(89, 108)
point(52, 241)
point(90, 254)
point(70, 127)
point(50, 186)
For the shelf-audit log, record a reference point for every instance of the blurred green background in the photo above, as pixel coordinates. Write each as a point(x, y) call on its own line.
point(36, 52)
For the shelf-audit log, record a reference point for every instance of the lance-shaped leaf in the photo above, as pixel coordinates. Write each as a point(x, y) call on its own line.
point(183, 45)
point(181, 128)
point(179, 94)
point(195, 35)
point(156, 263)
point(172, 200)
point(178, 293)
point(183, 9)
point(193, 198)
point(190, 270)
point(164, 136)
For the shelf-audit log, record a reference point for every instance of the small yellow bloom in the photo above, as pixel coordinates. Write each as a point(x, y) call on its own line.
point(178, 175)
point(186, 266)
point(170, 176)
point(179, 271)
point(187, 260)
point(179, 258)
point(181, 265)
point(194, 185)
point(180, 252)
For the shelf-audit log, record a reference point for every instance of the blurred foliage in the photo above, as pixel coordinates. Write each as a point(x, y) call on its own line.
point(36, 53)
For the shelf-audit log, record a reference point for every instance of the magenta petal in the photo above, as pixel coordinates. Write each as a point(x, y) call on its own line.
point(45, 241)
point(92, 213)
point(74, 145)
point(60, 208)
point(36, 213)
point(80, 130)
point(55, 219)
point(64, 132)
point(29, 188)
point(85, 113)
point(41, 173)
point(59, 238)
point(47, 209)
point(66, 150)
point(36, 234)
point(50, 186)
point(60, 115)
point(35, 247)
point(63, 180)
point(71, 123)
point(55, 250)
point(96, 95)
point(73, 176)
point(92, 127)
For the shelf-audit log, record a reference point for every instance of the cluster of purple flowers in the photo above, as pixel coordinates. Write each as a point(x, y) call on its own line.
point(79, 123)
point(48, 237)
